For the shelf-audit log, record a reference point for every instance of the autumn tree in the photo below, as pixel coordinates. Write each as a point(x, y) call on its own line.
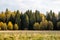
point(29, 20)
point(4, 26)
point(44, 25)
point(1, 24)
point(16, 27)
point(2, 17)
point(7, 13)
point(10, 25)
point(36, 26)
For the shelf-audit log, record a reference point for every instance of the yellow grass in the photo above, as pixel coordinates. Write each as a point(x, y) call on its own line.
point(29, 35)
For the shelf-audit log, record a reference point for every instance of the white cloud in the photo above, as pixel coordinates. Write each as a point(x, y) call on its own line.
point(23, 5)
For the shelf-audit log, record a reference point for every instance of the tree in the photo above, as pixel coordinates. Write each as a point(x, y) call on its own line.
point(12, 19)
point(54, 20)
point(4, 26)
point(2, 17)
point(1, 24)
point(37, 16)
point(24, 21)
point(58, 26)
point(50, 25)
point(15, 27)
point(17, 19)
point(58, 16)
point(10, 25)
point(36, 26)
point(49, 15)
point(8, 14)
point(44, 25)
point(43, 18)
point(29, 13)
point(31, 19)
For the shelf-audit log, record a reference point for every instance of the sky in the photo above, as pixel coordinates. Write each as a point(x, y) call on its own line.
point(23, 5)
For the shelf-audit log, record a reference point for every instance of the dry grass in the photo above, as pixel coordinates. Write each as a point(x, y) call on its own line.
point(29, 35)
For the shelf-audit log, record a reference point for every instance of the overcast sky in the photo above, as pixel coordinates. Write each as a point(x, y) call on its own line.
point(23, 5)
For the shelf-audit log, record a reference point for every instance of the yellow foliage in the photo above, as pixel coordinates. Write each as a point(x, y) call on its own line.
point(43, 24)
point(1, 23)
point(16, 26)
point(10, 25)
point(13, 14)
point(41, 14)
point(8, 14)
point(46, 22)
point(36, 26)
point(2, 15)
point(4, 26)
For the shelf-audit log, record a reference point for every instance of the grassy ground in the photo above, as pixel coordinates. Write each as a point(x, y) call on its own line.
point(29, 35)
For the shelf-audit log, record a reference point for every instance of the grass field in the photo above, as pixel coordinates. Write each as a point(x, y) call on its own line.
point(29, 35)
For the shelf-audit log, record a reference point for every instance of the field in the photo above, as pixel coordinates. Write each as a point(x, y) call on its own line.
point(29, 35)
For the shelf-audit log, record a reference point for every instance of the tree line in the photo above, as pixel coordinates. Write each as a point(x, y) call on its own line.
point(29, 20)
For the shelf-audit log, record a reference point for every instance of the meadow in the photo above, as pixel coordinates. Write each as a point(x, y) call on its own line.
point(29, 35)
